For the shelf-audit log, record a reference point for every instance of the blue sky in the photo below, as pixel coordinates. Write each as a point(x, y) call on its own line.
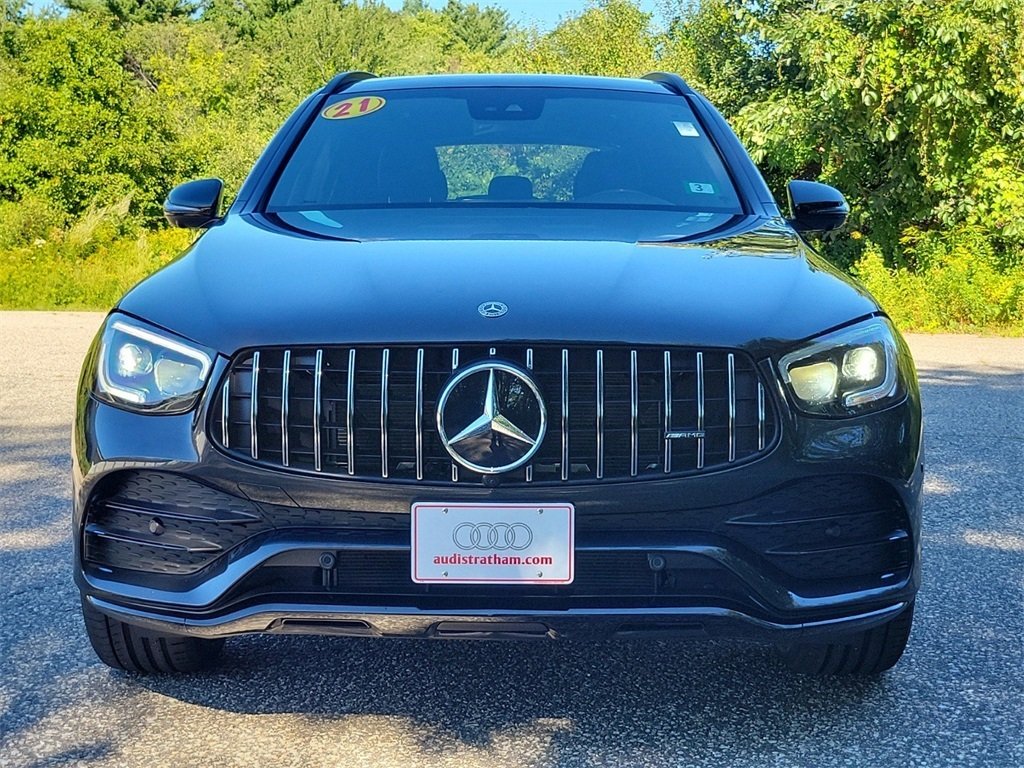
point(544, 13)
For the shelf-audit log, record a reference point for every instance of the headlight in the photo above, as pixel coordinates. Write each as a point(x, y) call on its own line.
point(144, 369)
point(846, 372)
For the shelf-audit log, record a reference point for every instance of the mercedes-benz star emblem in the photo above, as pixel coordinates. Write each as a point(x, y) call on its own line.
point(491, 417)
point(492, 309)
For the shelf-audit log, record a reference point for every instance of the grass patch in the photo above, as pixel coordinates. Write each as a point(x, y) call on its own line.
point(47, 277)
point(957, 284)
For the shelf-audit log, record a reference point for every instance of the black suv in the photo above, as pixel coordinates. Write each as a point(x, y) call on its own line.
point(500, 356)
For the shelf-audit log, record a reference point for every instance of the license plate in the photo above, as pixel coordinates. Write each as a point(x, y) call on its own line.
point(492, 543)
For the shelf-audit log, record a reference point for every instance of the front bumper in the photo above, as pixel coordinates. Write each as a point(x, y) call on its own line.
point(820, 537)
point(576, 624)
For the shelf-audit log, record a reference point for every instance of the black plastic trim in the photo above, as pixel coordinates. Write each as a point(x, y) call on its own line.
point(388, 621)
point(342, 81)
point(670, 80)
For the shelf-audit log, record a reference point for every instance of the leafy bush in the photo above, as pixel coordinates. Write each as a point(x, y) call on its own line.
point(957, 283)
point(28, 220)
point(87, 266)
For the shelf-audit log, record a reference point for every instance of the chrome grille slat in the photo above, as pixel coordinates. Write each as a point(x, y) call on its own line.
point(634, 397)
point(732, 407)
point(350, 413)
point(318, 371)
point(668, 411)
point(419, 413)
point(700, 409)
point(529, 367)
point(254, 399)
point(600, 414)
point(565, 414)
point(225, 411)
point(760, 416)
point(385, 358)
point(455, 367)
point(616, 412)
point(286, 366)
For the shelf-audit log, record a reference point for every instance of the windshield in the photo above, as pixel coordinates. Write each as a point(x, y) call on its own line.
point(514, 152)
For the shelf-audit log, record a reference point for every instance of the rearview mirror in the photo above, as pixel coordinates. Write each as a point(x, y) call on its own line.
point(194, 204)
point(816, 207)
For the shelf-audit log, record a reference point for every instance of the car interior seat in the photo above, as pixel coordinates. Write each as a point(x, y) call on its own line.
point(510, 188)
point(605, 170)
point(411, 174)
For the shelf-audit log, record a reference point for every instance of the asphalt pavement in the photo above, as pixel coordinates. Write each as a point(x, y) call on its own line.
point(956, 698)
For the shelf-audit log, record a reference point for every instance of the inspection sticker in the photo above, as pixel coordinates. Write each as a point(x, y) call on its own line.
point(686, 129)
point(357, 106)
point(702, 188)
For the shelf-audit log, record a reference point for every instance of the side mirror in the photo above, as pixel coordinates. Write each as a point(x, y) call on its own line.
point(194, 204)
point(816, 207)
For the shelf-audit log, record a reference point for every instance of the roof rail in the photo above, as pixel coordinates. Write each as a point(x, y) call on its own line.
point(342, 81)
point(671, 81)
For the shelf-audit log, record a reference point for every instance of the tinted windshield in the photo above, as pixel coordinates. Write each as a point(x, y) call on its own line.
point(508, 148)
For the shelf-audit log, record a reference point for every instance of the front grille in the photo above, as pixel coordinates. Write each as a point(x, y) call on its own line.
point(615, 413)
point(603, 579)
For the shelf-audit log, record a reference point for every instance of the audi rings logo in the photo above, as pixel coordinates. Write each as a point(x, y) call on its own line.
point(499, 537)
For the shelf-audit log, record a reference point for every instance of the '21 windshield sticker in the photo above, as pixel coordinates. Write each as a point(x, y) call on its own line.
point(357, 106)
point(702, 189)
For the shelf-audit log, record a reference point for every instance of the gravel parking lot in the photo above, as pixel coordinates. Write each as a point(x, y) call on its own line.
point(956, 699)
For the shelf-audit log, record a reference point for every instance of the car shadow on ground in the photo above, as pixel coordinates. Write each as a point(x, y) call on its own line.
point(470, 691)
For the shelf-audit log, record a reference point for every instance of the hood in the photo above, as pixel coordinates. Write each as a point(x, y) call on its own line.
point(244, 285)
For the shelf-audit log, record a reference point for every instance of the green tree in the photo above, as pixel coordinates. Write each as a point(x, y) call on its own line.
point(316, 39)
point(136, 11)
point(611, 37)
point(914, 108)
point(221, 95)
point(243, 17)
point(481, 31)
point(706, 43)
point(13, 11)
point(76, 126)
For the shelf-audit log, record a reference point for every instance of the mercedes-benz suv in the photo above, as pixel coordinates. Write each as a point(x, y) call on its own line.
point(500, 356)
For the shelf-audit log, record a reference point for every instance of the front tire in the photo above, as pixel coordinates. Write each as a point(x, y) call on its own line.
point(134, 649)
point(866, 653)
